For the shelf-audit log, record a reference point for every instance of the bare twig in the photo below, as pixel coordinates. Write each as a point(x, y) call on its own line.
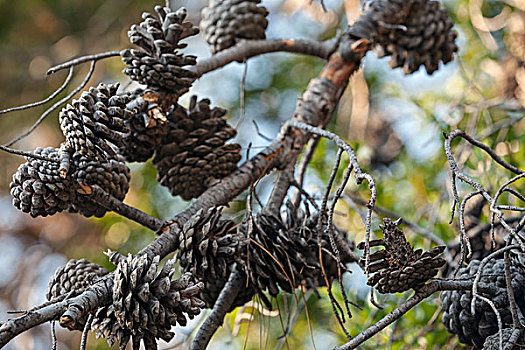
point(44, 101)
point(76, 61)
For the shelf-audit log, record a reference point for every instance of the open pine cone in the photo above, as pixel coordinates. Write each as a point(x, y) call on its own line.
point(473, 329)
point(413, 32)
point(226, 22)
point(397, 267)
point(94, 124)
point(146, 304)
point(158, 63)
point(492, 342)
point(194, 153)
point(285, 253)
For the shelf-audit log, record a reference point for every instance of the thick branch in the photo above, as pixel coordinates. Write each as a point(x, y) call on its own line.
point(251, 48)
point(220, 309)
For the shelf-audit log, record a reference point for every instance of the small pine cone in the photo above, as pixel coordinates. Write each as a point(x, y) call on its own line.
point(473, 329)
point(158, 63)
point(148, 127)
point(195, 153)
point(226, 22)
point(75, 277)
point(397, 267)
point(414, 33)
point(37, 187)
point(94, 124)
point(146, 304)
point(515, 35)
point(492, 342)
point(284, 254)
point(112, 175)
point(208, 246)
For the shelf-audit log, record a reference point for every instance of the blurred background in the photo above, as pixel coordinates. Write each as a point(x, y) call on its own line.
point(394, 122)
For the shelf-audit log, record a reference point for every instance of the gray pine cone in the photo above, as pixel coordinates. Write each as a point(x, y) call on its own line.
point(146, 304)
point(148, 127)
point(397, 267)
point(226, 22)
point(37, 187)
point(414, 33)
point(195, 153)
point(94, 124)
point(474, 329)
point(208, 246)
point(492, 342)
point(158, 63)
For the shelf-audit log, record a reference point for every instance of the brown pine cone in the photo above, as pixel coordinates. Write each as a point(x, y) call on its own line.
point(158, 63)
point(413, 32)
point(146, 304)
point(226, 22)
point(284, 254)
point(208, 246)
point(94, 124)
point(397, 267)
point(148, 128)
point(195, 153)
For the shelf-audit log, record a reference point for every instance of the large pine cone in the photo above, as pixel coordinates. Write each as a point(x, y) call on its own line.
point(492, 342)
point(414, 33)
point(208, 246)
point(397, 267)
point(285, 253)
point(148, 127)
point(226, 22)
point(37, 187)
point(146, 304)
point(158, 63)
point(194, 153)
point(474, 329)
point(94, 124)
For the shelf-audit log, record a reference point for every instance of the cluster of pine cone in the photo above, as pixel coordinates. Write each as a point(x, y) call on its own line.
point(414, 33)
point(397, 267)
point(145, 303)
point(94, 128)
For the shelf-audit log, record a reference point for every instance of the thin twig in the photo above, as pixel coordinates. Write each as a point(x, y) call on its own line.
point(27, 154)
point(76, 61)
point(44, 101)
point(87, 327)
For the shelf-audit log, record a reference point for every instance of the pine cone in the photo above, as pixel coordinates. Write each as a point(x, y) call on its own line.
point(208, 246)
point(474, 329)
point(94, 123)
point(146, 304)
point(284, 253)
point(112, 175)
point(194, 153)
point(226, 22)
point(414, 33)
point(397, 267)
point(492, 342)
point(37, 187)
point(158, 63)
point(76, 276)
point(515, 35)
point(148, 127)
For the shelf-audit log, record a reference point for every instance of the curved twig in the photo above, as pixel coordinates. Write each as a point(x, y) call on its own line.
point(76, 61)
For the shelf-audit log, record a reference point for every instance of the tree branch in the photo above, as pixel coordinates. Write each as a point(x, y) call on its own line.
point(220, 309)
point(251, 48)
